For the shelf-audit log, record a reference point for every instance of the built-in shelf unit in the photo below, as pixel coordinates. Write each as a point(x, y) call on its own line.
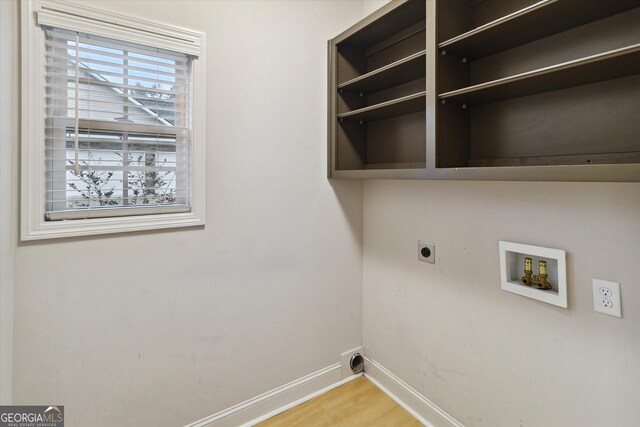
point(500, 89)
point(377, 92)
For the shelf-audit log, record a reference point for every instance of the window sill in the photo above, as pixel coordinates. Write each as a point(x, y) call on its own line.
point(98, 226)
point(112, 212)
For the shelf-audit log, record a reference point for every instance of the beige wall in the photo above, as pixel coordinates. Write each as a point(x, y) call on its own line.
point(489, 357)
point(369, 6)
point(160, 329)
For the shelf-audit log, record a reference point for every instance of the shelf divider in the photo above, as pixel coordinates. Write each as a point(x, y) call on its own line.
point(404, 70)
point(603, 66)
point(395, 107)
point(538, 20)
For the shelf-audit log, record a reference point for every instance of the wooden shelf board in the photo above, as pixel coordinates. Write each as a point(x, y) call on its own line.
point(411, 165)
point(405, 70)
point(541, 19)
point(603, 66)
point(395, 107)
point(579, 159)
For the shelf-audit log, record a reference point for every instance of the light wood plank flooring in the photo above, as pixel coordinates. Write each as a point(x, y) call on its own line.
point(356, 403)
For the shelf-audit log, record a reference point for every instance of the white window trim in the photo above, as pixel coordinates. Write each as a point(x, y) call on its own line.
point(100, 22)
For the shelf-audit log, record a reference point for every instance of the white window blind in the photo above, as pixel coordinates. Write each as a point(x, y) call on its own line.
point(118, 138)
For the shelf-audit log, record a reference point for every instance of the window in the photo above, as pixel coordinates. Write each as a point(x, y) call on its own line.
point(122, 137)
point(117, 131)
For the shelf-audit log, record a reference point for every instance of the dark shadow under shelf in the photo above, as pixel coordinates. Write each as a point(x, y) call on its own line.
point(396, 107)
point(603, 66)
point(402, 71)
point(541, 19)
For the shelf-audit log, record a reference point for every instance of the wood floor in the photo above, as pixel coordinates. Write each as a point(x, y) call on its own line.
point(356, 403)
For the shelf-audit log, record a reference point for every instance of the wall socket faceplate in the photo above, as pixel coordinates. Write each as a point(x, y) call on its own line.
point(606, 297)
point(426, 252)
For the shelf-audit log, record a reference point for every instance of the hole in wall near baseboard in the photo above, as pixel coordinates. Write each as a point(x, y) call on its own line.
point(356, 363)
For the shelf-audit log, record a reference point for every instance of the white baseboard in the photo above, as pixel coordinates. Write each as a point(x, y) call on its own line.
point(280, 399)
point(300, 401)
point(271, 403)
point(427, 412)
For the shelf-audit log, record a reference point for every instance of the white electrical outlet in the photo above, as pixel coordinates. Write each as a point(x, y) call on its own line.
point(606, 297)
point(605, 292)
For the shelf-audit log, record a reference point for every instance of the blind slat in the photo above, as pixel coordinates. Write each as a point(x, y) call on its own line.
point(64, 39)
point(59, 103)
point(107, 50)
point(96, 126)
point(118, 72)
point(119, 164)
point(98, 94)
point(54, 84)
point(117, 198)
point(54, 152)
point(49, 180)
point(50, 62)
point(140, 83)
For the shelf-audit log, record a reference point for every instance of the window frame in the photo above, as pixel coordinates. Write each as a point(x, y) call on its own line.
point(76, 17)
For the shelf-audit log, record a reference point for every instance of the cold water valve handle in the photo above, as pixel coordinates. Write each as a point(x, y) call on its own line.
point(542, 277)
